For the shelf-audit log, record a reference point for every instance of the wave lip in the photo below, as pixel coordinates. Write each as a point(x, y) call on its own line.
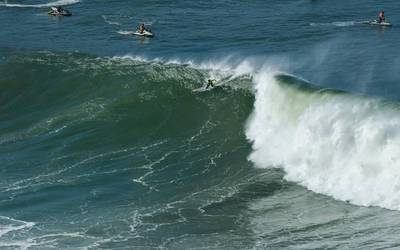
point(331, 142)
point(56, 3)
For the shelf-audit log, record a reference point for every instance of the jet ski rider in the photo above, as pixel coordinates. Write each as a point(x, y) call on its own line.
point(60, 9)
point(141, 28)
point(381, 16)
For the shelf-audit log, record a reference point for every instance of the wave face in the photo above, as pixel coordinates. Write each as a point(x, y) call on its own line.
point(101, 152)
point(333, 143)
point(42, 5)
point(111, 152)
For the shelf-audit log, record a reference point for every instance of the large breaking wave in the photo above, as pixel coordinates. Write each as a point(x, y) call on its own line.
point(335, 143)
point(331, 142)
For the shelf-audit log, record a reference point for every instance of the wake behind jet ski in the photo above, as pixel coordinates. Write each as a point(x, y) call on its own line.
point(59, 11)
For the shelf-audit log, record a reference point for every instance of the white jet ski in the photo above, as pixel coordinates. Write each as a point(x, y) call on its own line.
point(55, 12)
point(145, 33)
point(375, 22)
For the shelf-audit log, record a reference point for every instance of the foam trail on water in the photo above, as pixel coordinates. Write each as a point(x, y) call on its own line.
point(336, 144)
point(13, 233)
point(110, 22)
point(337, 24)
point(56, 3)
point(125, 32)
point(8, 225)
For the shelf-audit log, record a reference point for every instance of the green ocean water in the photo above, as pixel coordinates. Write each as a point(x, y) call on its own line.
point(115, 132)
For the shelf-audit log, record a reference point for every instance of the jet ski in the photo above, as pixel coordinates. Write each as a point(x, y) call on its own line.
point(375, 22)
point(145, 33)
point(57, 11)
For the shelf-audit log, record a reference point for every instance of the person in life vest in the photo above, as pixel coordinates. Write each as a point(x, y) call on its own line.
point(381, 16)
point(141, 28)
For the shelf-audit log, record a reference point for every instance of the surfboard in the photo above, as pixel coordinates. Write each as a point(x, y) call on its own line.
point(377, 23)
point(204, 87)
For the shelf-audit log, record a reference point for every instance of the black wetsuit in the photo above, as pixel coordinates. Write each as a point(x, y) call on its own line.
point(210, 83)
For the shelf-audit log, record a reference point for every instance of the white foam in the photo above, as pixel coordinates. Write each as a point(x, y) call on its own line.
point(125, 32)
point(110, 22)
point(337, 24)
point(344, 24)
point(8, 225)
point(341, 145)
point(56, 3)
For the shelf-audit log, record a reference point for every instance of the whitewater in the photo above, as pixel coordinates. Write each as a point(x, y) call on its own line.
point(333, 143)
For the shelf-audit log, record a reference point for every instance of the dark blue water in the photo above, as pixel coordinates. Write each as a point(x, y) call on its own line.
point(110, 141)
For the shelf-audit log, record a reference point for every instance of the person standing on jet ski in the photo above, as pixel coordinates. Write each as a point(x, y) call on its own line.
point(381, 16)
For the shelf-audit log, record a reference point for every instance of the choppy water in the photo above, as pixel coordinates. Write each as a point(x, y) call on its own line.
point(105, 145)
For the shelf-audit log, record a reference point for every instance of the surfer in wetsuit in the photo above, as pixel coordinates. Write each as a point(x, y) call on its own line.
point(210, 83)
point(381, 16)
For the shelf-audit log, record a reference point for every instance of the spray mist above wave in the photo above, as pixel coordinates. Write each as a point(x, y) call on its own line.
point(71, 62)
point(228, 69)
point(56, 3)
point(333, 143)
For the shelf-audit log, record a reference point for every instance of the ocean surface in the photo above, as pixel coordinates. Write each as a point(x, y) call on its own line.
point(105, 145)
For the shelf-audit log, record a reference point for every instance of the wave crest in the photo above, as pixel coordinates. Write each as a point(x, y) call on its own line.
point(333, 143)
